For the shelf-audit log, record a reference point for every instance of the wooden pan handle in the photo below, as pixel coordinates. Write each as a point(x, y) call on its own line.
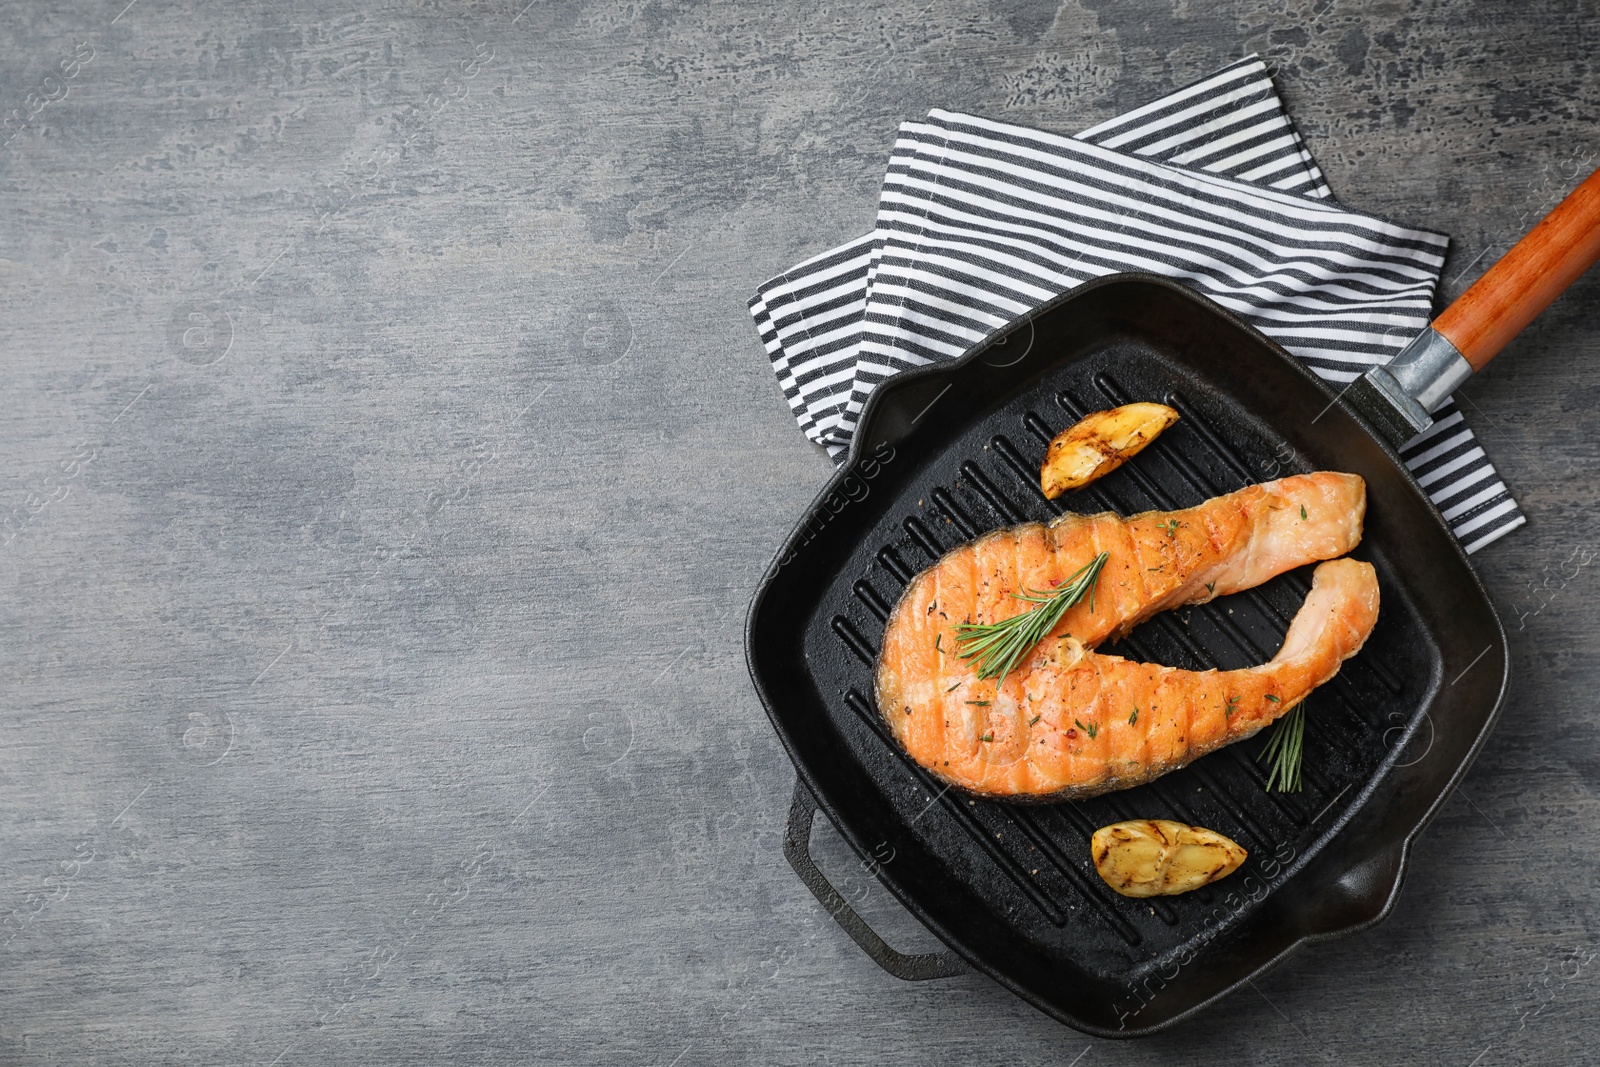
point(1536, 271)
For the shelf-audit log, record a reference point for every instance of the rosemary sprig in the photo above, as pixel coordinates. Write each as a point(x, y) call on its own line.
point(998, 646)
point(1285, 751)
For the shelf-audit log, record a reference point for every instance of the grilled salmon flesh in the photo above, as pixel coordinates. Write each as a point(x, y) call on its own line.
point(1068, 722)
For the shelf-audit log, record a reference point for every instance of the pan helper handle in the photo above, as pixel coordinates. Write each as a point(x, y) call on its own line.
point(1485, 318)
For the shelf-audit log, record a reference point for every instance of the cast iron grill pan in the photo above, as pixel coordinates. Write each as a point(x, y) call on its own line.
point(950, 451)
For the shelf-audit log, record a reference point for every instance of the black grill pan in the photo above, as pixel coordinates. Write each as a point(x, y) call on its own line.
point(946, 452)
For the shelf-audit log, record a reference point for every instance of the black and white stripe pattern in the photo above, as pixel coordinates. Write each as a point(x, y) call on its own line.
point(1451, 467)
point(809, 317)
point(1231, 123)
point(979, 222)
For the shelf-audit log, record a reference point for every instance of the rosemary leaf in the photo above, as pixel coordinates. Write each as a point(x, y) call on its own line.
point(997, 647)
point(1285, 751)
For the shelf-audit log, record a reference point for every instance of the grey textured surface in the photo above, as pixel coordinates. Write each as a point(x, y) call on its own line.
point(389, 461)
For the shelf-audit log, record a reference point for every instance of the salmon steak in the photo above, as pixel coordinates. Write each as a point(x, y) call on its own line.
point(1068, 722)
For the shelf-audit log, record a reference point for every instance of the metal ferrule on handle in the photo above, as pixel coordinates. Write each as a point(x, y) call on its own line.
point(1421, 377)
point(1397, 399)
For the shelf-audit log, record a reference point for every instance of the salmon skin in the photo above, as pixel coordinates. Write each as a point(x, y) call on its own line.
point(1068, 722)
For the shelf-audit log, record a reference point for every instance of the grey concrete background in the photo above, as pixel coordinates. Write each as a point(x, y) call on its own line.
point(388, 461)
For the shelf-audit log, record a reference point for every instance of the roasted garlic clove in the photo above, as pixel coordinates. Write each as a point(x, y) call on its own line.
point(1158, 857)
point(1099, 443)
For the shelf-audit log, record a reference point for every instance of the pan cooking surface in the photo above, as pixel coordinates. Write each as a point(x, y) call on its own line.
point(1035, 858)
point(1012, 886)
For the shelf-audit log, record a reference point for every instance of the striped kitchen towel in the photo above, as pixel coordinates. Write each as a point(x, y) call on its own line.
point(980, 221)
